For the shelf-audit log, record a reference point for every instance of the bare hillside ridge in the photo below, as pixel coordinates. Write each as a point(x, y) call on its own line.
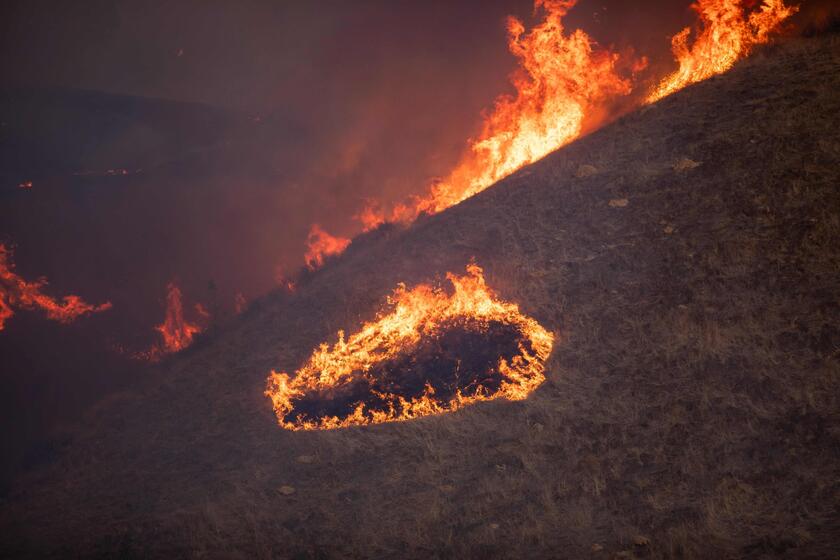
point(691, 407)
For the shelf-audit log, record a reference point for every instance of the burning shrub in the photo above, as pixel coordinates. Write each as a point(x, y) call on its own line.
point(432, 353)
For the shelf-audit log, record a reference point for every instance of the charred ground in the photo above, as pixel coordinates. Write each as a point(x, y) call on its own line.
point(686, 255)
point(461, 357)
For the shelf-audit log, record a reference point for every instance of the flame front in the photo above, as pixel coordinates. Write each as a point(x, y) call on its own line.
point(564, 84)
point(562, 81)
point(17, 292)
point(726, 33)
point(415, 314)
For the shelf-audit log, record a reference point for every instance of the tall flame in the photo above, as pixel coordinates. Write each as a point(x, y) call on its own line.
point(176, 331)
point(563, 84)
point(563, 80)
point(321, 244)
point(726, 33)
point(15, 292)
point(415, 314)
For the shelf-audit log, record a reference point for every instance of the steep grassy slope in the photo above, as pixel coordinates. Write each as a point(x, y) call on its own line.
point(691, 408)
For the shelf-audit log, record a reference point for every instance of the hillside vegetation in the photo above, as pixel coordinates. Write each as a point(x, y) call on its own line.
point(687, 259)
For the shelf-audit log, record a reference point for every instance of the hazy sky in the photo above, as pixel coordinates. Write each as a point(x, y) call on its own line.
point(256, 55)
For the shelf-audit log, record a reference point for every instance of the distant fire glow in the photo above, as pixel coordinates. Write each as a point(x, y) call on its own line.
point(18, 293)
point(321, 244)
point(727, 32)
point(430, 353)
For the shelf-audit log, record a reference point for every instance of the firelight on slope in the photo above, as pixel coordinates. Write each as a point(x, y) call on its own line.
point(430, 353)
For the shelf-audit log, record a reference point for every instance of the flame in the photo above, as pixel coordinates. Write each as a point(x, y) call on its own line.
point(415, 314)
point(321, 244)
point(281, 280)
point(562, 81)
point(565, 83)
point(15, 292)
point(726, 33)
point(239, 303)
point(176, 331)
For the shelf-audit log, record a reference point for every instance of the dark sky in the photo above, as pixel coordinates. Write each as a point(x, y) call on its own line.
point(260, 55)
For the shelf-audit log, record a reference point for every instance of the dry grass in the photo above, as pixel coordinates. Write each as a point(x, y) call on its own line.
point(691, 409)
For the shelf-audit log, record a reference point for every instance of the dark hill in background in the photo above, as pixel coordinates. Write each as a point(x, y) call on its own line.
point(127, 194)
point(691, 402)
point(59, 131)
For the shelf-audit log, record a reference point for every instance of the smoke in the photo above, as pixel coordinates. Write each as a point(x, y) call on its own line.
point(239, 125)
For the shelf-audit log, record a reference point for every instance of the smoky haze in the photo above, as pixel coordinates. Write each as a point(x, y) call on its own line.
point(238, 125)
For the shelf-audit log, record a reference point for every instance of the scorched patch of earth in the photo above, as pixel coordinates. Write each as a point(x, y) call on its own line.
point(429, 352)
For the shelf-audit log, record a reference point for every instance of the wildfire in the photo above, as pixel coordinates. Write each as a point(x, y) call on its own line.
point(282, 280)
point(565, 83)
point(432, 353)
point(726, 32)
point(562, 81)
point(15, 292)
point(176, 331)
point(321, 244)
point(239, 303)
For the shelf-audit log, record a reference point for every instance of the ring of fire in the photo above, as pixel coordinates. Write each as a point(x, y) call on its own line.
point(432, 353)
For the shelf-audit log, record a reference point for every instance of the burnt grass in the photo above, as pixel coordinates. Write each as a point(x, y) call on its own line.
point(691, 403)
point(460, 356)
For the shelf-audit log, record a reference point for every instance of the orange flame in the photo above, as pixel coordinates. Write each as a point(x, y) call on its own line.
point(565, 83)
point(239, 303)
point(176, 332)
point(725, 34)
point(281, 280)
point(563, 80)
point(321, 244)
point(416, 314)
point(17, 292)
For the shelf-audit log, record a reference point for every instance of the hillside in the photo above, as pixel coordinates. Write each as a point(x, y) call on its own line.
point(126, 192)
point(691, 406)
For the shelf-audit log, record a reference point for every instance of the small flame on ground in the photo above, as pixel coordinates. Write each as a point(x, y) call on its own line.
point(176, 331)
point(281, 280)
point(320, 245)
point(239, 303)
point(726, 32)
point(415, 315)
point(15, 292)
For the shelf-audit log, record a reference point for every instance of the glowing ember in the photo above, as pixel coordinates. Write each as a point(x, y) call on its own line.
point(321, 244)
point(176, 331)
point(726, 33)
point(563, 80)
point(239, 303)
point(281, 280)
point(432, 353)
point(15, 292)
